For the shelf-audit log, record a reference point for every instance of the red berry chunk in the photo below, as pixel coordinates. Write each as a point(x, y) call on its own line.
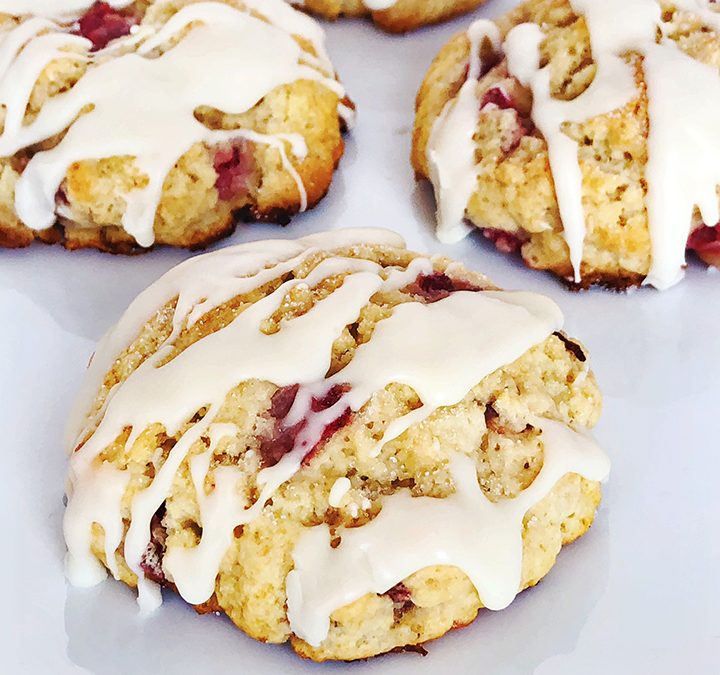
point(402, 600)
point(497, 96)
point(233, 164)
point(504, 241)
point(705, 241)
point(102, 23)
point(282, 401)
point(437, 286)
point(151, 563)
point(283, 438)
point(399, 593)
point(280, 443)
point(333, 395)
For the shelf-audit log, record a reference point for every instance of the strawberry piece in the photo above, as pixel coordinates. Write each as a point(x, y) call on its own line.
point(151, 563)
point(283, 438)
point(333, 395)
point(280, 443)
point(705, 242)
point(102, 23)
point(504, 241)
point(233, 164)
point(282, 401)
point(402, 600)
point(437, 286)
point(498, 97)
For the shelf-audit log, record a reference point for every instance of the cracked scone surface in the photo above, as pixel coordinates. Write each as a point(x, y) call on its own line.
point(493, 426)
point(396, 17)
point(201, 187)
point(514, 200)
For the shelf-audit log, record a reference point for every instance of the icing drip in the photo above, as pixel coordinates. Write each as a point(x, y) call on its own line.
point(484, 330)
point(338, 491)
point(465, 530)
point(157, 128)
point(683, 170)
point(451, 149)
point(220, 512)
point(377, 5)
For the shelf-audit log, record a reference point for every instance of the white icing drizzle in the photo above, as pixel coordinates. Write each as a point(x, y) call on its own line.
point(338, 491)
point(377, 5)
point(451, 148)
point(220, 512)
point(683, 169)
point(97, 494)
point(465, 530)
point(477, 332)
point(159, 126)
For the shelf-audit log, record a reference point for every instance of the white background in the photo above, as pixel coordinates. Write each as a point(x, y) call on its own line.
point(638, 594)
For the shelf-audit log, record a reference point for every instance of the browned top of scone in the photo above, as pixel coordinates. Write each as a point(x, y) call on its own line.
point(400, 17)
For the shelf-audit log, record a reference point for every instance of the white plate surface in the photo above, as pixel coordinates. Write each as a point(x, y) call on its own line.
point(638, 594)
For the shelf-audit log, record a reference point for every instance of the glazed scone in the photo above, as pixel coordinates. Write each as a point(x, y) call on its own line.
point(334, 441)
point(395, 16)
point(574, 132)
point(144, 123)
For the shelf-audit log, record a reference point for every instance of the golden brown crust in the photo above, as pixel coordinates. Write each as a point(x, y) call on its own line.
point(444, 78)
point(404, 16)
point(15, 236)
point(618, 283)
point(515, 193)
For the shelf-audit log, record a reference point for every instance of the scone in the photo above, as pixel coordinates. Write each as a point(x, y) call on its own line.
point(334, 441)
point(395, 16)
point(581, 134)
point(129, 124)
